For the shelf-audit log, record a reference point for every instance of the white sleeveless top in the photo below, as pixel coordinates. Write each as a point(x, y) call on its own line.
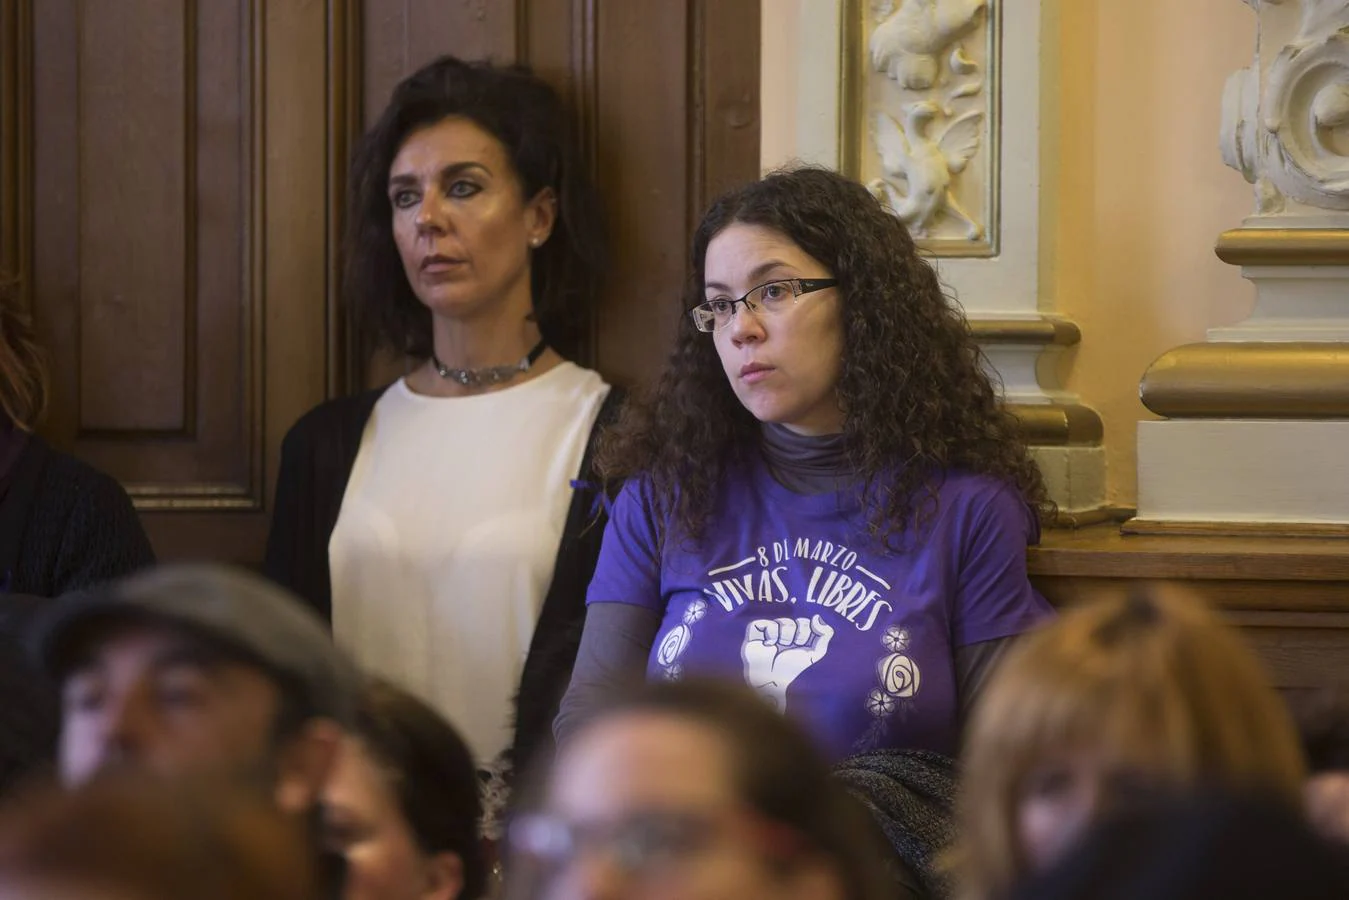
point(446, 541)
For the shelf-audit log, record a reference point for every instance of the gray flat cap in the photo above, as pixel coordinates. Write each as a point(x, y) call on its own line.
point(232, 608)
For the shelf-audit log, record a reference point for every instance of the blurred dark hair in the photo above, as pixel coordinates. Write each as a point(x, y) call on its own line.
point(779, 771)
point(134, 835)
point(914, 391)
point(23, 366)
point(1321, 717)
point(431, 772)
point(528, 118)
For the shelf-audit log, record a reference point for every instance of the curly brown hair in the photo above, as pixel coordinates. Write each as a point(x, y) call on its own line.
point(23, 366)
point(916, 396)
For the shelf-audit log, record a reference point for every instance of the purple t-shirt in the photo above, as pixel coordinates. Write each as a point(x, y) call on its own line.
point(791, 595)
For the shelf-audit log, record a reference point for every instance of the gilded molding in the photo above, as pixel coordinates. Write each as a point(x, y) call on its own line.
point(1054, 425)
point(1045, 331)
point(1284, 247)
point(1257, 380)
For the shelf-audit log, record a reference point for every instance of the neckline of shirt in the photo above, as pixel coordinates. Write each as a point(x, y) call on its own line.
point(512, 390)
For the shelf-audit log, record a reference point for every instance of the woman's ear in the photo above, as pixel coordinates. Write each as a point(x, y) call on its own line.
point(444, 877)
point(541, 216)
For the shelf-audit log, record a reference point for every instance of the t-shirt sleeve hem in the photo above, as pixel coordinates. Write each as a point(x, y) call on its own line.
point(590, 601)
point(1002, 628)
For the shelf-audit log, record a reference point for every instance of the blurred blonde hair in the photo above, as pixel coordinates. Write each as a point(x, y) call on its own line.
point(23, 368)
point(1155, 680)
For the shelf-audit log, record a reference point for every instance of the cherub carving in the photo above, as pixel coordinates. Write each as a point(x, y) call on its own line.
point(909, 43)
point(926, 165)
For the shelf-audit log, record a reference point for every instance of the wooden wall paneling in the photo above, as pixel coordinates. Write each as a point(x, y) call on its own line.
point(117, 217)
point(346, 122)
point(725, 129)
point(399, 36)
point(643, 151)
point(16, 149)
point(169, 168)
point(135, 83)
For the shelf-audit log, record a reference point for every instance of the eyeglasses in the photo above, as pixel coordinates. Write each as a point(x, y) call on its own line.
point(773, 297)
point(645, 844)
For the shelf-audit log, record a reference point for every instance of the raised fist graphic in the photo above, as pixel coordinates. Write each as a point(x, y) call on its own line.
point(776, 651)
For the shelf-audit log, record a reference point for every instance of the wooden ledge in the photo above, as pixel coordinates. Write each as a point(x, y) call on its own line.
point(1101, 551)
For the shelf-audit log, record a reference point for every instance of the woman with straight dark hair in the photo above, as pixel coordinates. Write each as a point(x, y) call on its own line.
point(824, 498)
point(64, 525)
point(443, 522)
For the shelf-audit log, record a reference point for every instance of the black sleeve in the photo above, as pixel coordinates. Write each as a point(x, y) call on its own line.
point(103, 538)
point(974, 664)
point(289, 532)
point(615, 644)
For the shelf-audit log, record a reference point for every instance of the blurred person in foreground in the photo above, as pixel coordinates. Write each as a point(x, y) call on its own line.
point(402, 805)
point(1116, 704)
point(1224, 845)
point(133, 836)
point(692, 790)
point(200, 671)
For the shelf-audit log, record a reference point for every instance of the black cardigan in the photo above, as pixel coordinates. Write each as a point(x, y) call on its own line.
point(317, 457)
point(65, 526)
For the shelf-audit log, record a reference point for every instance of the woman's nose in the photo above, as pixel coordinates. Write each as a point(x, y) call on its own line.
point(430, 214)
point(745, 325)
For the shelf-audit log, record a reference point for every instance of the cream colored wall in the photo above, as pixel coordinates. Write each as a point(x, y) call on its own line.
point(1138, 193)
point(1135, 189)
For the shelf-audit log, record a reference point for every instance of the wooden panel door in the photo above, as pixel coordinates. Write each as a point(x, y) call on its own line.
point(168, 187)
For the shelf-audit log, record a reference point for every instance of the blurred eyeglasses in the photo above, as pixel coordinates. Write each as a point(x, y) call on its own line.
point(642, 845)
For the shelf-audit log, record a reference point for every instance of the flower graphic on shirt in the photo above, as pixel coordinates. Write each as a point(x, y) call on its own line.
point(676, 640)
point(899, 680)
point(895, 639)
point(880, 704)
point(899, 675)
point(673, 644)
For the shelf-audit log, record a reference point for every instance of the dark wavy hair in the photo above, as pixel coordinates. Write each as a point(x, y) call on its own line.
point(430, 770)
point(23, 366)
point(915, 395)
point(530, 121)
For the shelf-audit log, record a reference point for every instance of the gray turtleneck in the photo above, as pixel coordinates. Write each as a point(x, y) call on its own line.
point(617, 638)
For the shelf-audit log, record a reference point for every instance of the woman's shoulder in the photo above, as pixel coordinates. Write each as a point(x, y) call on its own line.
point(973, 497)
point(334, 417)
point(574, 380)
point(80, 481)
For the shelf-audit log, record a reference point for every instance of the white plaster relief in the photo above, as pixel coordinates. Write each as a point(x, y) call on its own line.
point(926, 166)
point(928, 110)
point(1285, 126)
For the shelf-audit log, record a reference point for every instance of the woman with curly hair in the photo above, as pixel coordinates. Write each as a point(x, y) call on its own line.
point(824, 497)
point(434, 521)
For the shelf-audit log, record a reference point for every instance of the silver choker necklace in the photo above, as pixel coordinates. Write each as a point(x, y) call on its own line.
point(489, 375)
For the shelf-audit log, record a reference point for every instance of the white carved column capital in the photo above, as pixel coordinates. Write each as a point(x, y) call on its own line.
point(1285, 124)
point(1257, 434)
